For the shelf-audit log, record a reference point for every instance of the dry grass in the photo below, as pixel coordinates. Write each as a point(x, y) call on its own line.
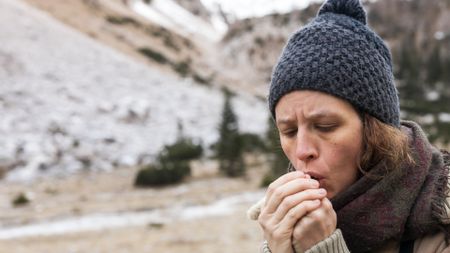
point(90, 193)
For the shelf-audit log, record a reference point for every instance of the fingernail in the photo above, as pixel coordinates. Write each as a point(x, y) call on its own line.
point(322, 191)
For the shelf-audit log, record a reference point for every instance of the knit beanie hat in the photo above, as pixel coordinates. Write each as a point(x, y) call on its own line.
point(337, 53)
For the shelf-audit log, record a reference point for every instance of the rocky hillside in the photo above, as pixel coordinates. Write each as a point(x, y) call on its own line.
point(195, 7)
point(252, 46)
point(128, 94)
point(69, 103)
point(114, 23)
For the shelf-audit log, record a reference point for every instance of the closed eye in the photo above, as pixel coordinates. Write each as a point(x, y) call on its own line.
point(325, 127)
point(289, 132)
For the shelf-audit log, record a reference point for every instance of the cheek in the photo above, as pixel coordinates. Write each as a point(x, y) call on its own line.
point(341, 156)
point(346, 146)
point(285, 146)
point(288, 149)
point(342, 159)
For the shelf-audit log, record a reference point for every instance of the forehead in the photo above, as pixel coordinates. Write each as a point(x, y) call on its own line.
point(311, 103)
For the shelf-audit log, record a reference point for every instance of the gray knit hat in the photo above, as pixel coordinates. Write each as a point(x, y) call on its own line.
point(337, 53)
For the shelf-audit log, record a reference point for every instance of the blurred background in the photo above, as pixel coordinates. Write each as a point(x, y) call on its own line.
point(142, 125)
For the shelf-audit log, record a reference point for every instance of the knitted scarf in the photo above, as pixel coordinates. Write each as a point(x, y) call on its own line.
point(404, 204)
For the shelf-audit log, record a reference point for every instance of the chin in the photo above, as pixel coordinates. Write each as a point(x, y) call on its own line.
point(330, 193)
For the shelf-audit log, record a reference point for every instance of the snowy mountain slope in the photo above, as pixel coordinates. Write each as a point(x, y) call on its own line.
point(69, 103)
point(172, 16)
point(241, 9)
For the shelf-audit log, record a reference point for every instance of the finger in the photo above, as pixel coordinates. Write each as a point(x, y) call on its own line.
point(328, 207)
point(297, 212)
point(326, 203)
point(291, 187)
point(293, 200)
point(321, 221)
point(325, 211)
point(282, 180)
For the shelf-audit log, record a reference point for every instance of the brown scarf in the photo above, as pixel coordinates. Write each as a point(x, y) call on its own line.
point(404, 204)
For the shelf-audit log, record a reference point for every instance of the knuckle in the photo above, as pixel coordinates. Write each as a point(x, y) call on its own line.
point(310, 205)
point(262, 220)
point(271, 188)
point(315, 217)
point(288, 202)
point(291, 215)
point(278, 193)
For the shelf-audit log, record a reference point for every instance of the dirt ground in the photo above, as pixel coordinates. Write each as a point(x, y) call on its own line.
point(109, 192)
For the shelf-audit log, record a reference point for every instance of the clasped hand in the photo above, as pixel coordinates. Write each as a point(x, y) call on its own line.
point(296, 215)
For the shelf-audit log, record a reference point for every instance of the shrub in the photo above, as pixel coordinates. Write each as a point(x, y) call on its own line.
point(259, 41)
point(199, 79)
point(172, 164)
point(118, 20)
point(20, 200)
point(158, 32)
point(153, 55)
point(162, 174)
point(182, 68)
point(182, 150)
point(169, 42)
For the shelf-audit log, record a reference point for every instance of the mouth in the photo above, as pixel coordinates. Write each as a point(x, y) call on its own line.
point(315, 176)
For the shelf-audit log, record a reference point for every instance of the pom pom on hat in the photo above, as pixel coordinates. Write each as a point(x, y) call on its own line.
point(351, 8)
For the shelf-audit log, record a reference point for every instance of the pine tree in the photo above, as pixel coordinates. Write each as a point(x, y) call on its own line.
point(419, 76)
point(229, 146)
point(277, 159)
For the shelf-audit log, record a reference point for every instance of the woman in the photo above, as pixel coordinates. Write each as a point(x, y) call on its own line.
point(360, 180)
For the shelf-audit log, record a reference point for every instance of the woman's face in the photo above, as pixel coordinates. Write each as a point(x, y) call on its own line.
point(322, 136)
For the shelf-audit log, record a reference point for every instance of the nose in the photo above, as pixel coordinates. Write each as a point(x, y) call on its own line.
point(306, 148)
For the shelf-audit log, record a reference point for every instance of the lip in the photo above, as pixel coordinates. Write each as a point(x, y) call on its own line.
point(315, 176)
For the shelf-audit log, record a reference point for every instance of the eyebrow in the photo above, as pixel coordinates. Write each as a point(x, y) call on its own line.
point(322, 114)
point(312, 116)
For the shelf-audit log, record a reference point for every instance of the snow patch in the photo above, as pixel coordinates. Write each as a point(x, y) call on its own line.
point(98, 222)
point(172, 16)
point(241, 9)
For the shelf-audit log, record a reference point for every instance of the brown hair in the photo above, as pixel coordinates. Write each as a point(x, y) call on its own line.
point(382, 143)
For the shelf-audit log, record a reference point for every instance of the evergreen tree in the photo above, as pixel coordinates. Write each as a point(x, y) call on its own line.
point(277, 159)
point(229, 146)
point(423, 87)
point(420, 50)
point(435, 66)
